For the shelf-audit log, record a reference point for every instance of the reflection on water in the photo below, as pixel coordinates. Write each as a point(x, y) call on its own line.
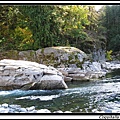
point(100, 95)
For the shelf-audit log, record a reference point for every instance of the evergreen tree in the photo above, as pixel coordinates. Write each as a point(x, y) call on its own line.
point(112, 24)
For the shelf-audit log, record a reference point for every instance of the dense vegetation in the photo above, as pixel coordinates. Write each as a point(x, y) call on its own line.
point(112, 24)
point(26, 27)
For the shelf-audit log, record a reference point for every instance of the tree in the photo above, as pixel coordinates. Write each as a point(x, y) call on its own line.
point(72, 20)
point(112, 21)
point(41, 21)
point(93, 17)
point(8, 17)
point(115, 43)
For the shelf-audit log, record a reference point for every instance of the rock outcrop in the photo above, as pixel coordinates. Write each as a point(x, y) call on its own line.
point(72, 64)
point(53, 56)
point(19, 74)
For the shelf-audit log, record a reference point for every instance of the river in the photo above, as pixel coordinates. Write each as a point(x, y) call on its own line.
point(84, 97)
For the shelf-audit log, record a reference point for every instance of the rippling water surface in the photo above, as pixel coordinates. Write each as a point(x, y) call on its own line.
point(97, 95)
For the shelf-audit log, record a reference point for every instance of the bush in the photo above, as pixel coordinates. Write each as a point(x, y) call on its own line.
point(108, 55)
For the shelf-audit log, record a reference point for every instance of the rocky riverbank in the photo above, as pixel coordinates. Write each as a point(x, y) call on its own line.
point(25, 75)
point(89, 70)
point(49, 68)
point(6, 108)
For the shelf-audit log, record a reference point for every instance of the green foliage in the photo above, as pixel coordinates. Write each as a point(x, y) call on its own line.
point(67, 43)
point(9, 16)
point(26, 27)
point(72, 20)
point(53, 23)
point(93, 18)
point(115, 43)
point(41, 22)
point(23, 38)
point(108, 55)
point(112, 24)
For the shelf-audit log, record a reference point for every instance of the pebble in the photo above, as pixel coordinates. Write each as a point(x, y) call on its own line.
point(108, 111)
point(23, 110)
point(31, 108)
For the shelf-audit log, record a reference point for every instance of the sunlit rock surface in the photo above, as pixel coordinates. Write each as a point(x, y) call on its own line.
point(19, 74)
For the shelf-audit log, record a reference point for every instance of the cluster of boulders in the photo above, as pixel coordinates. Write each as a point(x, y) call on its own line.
point(19, 74)
point(6, 108)
point(111, 65)
point(89, 71)
point(70, 64)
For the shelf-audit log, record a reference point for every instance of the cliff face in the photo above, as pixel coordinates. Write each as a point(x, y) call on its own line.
point(53, 56)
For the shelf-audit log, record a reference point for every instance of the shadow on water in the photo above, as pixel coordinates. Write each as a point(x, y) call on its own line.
point(113, 74)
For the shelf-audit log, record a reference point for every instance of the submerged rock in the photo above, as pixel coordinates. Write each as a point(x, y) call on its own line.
point(19, 74)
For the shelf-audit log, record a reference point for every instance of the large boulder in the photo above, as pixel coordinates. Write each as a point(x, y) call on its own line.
point(19, 74)
point(61, 56)
point(53, 56)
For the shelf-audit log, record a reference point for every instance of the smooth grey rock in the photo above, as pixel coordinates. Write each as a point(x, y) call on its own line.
point(80, 77)
point(23, 110)
point(67, 79)
point(31, 108)
point(20, 74)
point(50, 82)
point(64, 72)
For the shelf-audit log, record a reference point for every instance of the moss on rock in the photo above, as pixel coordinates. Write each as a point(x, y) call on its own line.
point(27, 55)
point(53, 56)
point(11, 54)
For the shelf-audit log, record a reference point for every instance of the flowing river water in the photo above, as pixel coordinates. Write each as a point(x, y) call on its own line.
point(84, 97)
